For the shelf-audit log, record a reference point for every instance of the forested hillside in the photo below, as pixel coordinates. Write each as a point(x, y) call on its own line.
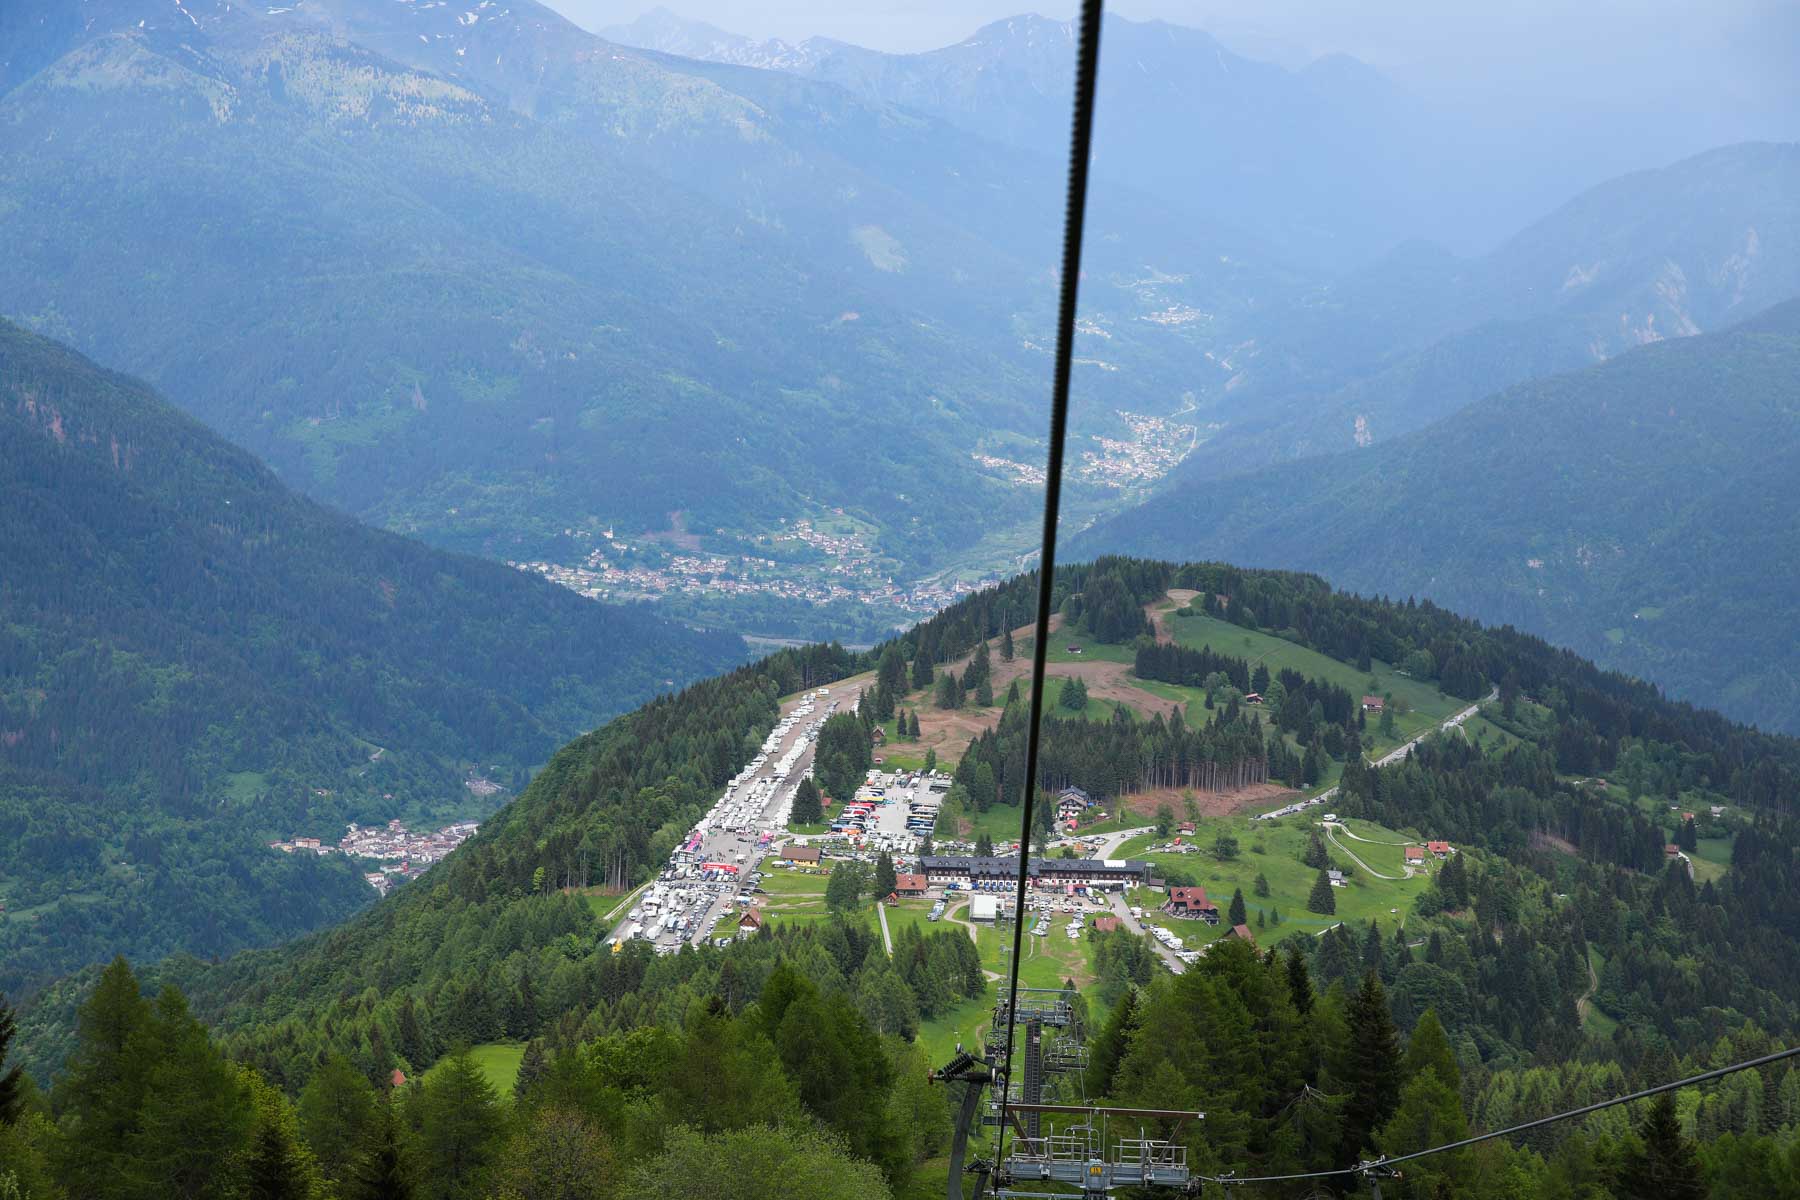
point(195, 661)
point(1636, 511)
point(1560, 955)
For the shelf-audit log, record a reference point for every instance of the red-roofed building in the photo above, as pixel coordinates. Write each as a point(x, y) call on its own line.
point(1415, 854)
point(1441, 849)
point(909, 885)
point(1106, 924)
point(397, 1079)
point(1672, 851)
point(1373, 704)
point(1191, 902)
point(1242, 933)
point(748, 924)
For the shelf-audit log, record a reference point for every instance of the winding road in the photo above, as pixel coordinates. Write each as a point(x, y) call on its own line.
point(1391, 757)
point(1330, 836)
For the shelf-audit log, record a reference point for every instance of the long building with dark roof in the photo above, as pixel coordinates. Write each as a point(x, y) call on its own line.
point(1087, 872)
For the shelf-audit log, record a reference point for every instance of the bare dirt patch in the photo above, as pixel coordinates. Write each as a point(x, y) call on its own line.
point(1158, 611)
point(1549, 841)
point(949, 733)
point(1210, 804)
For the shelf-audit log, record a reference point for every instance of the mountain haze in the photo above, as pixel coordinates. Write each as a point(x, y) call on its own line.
point(1638, 511)
point(1695, 246)
point(431, 253)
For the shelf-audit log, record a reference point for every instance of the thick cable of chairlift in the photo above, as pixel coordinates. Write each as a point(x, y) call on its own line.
point(1087, 64)
point(1385, 1163)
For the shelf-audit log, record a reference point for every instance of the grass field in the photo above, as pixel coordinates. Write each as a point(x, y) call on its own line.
point(1427, 705)
point(1046, 963)
point(1290, 880)
point(1711, 858)
point(1597, 1021)
point(499, 1061)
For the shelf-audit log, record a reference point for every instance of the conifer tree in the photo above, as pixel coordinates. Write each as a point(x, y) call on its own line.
point(533, 1066)
point(381, 1173)
point(984, 846)
point(278, 1165)
point(1369, 1066)
point(1239, 915)
point(1006, 643)
point(1299, 982)
point(1453, 882)
point(105, 1086)
point(1428, 1050)
point(1110, 1047)
point(1321, 900)
point(12, 1083)
point(1372, 951)
point(196, 1114)
point(457, 1115)
point(807, 807)
point(338, 1112)
point(921, 671)
point(1663, 1166)
point(885, 877)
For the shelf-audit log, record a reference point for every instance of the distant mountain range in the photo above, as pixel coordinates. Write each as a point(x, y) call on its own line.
point(477, 275)
point(1317, 161)
point(1692, 247)
point(1640, 511)
point(195, 661)
point(484, 277)
point(1332, 162)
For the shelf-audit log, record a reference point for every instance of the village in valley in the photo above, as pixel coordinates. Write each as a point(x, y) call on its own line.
point(848, 571)
point(402, 853)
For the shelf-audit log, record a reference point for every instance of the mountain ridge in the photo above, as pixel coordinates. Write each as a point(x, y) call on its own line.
point(1628, 509)
point(195, 661)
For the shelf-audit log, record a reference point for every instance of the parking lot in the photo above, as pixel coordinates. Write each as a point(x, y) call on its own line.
point(708, 877)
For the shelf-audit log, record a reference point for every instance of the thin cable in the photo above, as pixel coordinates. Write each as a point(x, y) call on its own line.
point(1087, 65)
point(1385, 1161)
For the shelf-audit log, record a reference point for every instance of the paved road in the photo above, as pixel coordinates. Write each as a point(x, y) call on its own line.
point(1109, 845)
point(707, 902)
point(887, 940)
point(1330, 836)
point(1123, 912)
point(1391, 757)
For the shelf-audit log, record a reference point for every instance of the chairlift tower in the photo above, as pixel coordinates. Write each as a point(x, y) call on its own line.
point(1043, 1026)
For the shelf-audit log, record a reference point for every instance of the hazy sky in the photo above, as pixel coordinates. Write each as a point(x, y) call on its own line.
point(1574, 48)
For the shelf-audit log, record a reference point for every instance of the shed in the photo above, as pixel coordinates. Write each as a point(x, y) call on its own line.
point(801, 854)
point(984, 908)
